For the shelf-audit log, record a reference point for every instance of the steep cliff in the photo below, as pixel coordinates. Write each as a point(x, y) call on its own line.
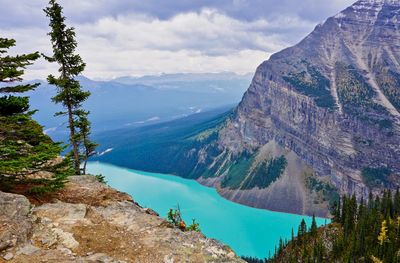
point(332, 102)
point(319, 119)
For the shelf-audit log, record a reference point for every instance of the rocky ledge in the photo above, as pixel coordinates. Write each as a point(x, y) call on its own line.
point(90, 222)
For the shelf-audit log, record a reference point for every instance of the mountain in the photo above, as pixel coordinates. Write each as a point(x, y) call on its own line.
point(319, 119)
point(147, 147)
point(208, 81)
point(147, 100)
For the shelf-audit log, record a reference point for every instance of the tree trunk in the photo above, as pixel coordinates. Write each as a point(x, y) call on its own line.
point(84, 165)
point(73, 141)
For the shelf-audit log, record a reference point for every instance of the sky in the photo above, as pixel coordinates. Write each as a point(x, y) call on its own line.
point(147, 37)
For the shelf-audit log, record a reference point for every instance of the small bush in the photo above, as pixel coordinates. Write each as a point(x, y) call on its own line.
point(194, 226)
point(174, 216)
point(101, 178)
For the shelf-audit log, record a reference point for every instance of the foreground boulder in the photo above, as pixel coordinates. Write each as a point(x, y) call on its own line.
point(90, 222)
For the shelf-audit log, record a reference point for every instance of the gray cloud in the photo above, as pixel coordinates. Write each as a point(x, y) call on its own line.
point(131, 37)
point(24, 12)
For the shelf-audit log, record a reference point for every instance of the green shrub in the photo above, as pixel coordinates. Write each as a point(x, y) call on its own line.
point(375, 177)
point(266, 173)
point(194, 226)
point(101, 178)
point(312, 83)
point(238, 171)
point(174, 216)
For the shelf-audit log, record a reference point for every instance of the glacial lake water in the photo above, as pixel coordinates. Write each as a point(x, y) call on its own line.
point(248, 231)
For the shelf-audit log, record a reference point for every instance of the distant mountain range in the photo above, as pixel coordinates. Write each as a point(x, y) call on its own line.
point(129, 101)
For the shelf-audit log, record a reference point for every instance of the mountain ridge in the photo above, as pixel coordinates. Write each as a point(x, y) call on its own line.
point(319, 120)
point(327, 83)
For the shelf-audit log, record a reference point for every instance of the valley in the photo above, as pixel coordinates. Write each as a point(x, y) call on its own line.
point(170, 152)
point(324, 106)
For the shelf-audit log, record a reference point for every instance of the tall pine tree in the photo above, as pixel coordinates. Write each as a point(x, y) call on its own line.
point(70, 93)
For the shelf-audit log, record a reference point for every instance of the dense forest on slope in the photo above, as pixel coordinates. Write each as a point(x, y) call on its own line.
point(142, 147)
point(365, 231)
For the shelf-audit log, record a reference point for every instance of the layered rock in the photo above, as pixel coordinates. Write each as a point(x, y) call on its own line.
point(320, 119)
point(330, 105)
point(90, 222)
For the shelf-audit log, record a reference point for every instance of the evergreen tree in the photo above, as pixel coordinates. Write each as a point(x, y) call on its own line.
point(11, 71)
point(313, 229)
point(87, 147)
point(396, 202)
point(69, 91)
point(365, 232)
point(24, 149)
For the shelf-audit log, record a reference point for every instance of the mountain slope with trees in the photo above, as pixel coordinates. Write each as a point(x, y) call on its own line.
point(328, 105)
point(365, 231)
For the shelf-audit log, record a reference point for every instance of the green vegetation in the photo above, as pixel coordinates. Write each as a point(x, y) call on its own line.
point(30, 160)
point(356, 96)
point(25, 151)
point(101, 178)
point(87, 147)
point(174, 216)
point(327, 191)
point(376, 177)
point(238, 171)
point(266, 173)
point(352, 87)
point(242, 176)
point(360, 232)
point(174, 146)
point(69, 92)
point(312, 83)
point(389, 83)
point(220, 164)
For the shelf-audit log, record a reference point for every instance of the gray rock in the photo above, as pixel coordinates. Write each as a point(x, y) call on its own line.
point(13, 206)
point(114, 231)
point(14, 214)
point(333, 101)
point(8, 256)
point(27, 250)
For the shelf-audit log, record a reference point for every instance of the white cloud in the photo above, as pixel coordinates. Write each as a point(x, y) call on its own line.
point(204, 41)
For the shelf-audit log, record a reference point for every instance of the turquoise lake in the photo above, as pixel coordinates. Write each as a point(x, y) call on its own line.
point(248, 231)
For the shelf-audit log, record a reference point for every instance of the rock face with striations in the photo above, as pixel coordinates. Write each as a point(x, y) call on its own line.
point(319, 119)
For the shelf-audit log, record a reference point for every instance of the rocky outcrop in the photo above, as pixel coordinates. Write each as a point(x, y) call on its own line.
point(90, 222)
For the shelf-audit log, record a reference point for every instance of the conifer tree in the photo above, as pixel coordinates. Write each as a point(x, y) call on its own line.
point(11, 71)
point(69, 90)
point(366, 232)
point(87, 147)
point(313, 229)
point(24, 149)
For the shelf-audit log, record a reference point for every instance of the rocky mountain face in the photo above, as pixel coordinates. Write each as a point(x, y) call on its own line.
point(319, 119)
point(90, 222)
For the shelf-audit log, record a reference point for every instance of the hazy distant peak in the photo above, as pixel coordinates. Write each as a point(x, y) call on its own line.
point(392, 2)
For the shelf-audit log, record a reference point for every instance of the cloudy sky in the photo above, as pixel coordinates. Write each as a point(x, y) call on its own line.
point(142, 37)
